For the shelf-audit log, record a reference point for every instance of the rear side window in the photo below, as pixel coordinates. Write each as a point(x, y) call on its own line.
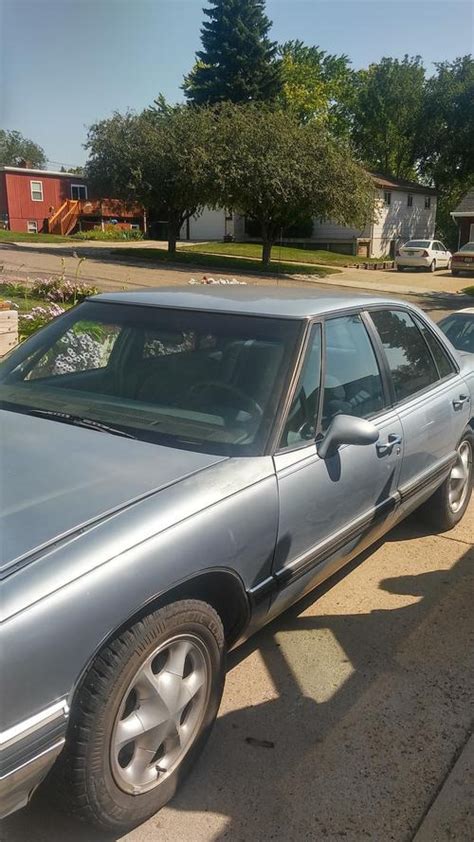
point(352, 384)
point(442, 359)
point(408, 355)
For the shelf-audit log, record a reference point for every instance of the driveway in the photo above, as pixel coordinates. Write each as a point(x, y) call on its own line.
point(358, 703)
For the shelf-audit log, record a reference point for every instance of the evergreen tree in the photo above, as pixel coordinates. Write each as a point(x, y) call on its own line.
point(238, 61)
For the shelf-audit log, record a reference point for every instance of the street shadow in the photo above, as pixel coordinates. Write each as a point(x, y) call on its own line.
point(363, 706)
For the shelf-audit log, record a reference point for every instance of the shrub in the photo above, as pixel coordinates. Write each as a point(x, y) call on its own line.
point(61, 289)
point(110, 232)
point(36, 318)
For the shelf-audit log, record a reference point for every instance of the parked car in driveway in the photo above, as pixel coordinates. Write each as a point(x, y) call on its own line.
point(179, 467)
point(463, 260)
point(423, 254)
point(459, 328)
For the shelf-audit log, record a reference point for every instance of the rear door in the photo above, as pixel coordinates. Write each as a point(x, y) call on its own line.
point(429, 395)
point(332, 508)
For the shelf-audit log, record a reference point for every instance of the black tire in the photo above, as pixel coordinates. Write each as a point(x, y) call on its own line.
point(432, 266)
point(437, 512)
point(400, 268)
point(85, 770)
point(455, 273)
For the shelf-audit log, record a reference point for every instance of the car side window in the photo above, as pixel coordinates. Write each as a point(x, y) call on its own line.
point(408, 355)
point(301, 420)
point(352, 384)
point(443, 361)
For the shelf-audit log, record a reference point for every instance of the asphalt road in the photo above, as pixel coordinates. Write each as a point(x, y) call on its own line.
point(364, 691)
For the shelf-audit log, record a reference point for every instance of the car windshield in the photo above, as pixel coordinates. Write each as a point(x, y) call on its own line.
point(203, 380)
point(459, 328)
point(417, 244)
point(467, 247)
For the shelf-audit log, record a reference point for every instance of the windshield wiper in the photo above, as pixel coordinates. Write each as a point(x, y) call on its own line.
point(78, 421)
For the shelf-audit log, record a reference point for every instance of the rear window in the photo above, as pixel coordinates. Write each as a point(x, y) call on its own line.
point(417, 244)
point(467, 247)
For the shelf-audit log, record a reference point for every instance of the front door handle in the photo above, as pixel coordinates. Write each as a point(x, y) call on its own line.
point(387, 447)
point(460, 402)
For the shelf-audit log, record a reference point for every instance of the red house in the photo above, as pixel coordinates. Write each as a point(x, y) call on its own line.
point(41, 201)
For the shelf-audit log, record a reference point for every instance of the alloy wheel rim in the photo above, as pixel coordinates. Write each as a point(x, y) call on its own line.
point(160, 714)
point(460, 478)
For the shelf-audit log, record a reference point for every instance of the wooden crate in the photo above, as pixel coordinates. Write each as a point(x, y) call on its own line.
point(8, 330)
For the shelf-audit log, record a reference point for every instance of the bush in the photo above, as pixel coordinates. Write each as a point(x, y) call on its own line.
point(30, 322)
point(60, 289)
point(110, 232)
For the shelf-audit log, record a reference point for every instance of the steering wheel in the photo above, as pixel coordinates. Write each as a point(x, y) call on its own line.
point(250, 404)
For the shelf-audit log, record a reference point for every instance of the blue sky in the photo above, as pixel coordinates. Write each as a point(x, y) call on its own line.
point(66, 63)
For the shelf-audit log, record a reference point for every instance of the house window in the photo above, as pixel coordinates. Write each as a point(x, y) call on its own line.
point(387, 198)
point(409, 201)
point(32, 226)
point(36, 188)
point(79, 192)
point(427, 202)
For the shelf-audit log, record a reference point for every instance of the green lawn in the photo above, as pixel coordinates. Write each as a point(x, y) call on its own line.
point(20, 237)
point(469, 291)
point(221, 262)
point(285, 253)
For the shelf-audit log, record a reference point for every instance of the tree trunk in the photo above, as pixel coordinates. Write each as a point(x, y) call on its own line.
point(266, 251)
point(267, 243)
point(173, 234)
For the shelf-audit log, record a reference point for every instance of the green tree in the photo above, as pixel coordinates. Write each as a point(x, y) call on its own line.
point(161, 158)
point(447, 139)
point(315, 85)
point(15, 148)
point(386, 113)
point(237, 62)
point(276, 171)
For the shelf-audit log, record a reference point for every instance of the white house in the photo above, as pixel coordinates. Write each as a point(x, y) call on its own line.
point(404, 210)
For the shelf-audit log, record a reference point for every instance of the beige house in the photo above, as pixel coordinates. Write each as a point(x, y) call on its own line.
point(403, 210)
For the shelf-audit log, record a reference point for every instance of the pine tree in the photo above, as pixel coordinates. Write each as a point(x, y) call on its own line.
point(238, 61)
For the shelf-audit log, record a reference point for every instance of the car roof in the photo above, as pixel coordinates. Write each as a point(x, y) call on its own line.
point(281, 302)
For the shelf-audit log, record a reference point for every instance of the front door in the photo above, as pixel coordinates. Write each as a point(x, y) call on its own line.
point(330, 509)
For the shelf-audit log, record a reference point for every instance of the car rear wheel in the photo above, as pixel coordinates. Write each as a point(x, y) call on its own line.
point(143, 715)
point(433, 266)
point(447, 506)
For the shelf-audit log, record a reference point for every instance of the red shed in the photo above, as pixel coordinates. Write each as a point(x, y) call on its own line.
point(38, 201)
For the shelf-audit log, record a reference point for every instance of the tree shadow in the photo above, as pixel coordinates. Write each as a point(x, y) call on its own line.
point(364, 714)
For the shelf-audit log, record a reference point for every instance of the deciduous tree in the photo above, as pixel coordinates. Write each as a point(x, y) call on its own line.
point(161, 158)
point(276, 170)
point(386, 113)
point(15, 148)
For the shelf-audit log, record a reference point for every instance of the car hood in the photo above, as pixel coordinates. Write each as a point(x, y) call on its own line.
point(57, 479)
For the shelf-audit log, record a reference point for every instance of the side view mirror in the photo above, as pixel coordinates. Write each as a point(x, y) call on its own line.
point(345, 429)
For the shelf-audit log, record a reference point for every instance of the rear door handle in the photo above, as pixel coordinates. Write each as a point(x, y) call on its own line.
point(386, 447)
point(458, 403)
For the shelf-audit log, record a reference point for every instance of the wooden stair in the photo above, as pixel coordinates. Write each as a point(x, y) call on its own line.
point(64, 220)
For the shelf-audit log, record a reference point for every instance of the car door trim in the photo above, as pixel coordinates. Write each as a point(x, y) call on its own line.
point(426, 478)
point(59, 710)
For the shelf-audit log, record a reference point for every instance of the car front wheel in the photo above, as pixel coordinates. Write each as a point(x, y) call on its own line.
point(447, 506)
point(143, 715)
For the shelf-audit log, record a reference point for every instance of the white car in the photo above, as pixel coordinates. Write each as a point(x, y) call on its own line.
point(423, 254)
